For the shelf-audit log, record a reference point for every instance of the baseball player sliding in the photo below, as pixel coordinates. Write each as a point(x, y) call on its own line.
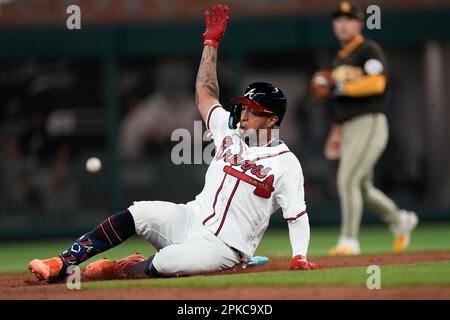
point(357, 85)
point(251, 176)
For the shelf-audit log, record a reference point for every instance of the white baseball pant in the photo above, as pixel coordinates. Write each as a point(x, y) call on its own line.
point(185, 246)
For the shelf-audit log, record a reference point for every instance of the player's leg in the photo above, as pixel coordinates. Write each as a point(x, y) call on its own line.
point(160, 223)
point(108, 234)
point(350, 199)
point(359, 140)
point(200, 253)
point(377, 202)
point(400, 222)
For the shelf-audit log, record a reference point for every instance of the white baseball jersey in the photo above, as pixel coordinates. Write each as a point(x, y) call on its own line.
point(245, 185)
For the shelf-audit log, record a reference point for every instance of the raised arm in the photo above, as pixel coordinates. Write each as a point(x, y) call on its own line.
point(206, 85)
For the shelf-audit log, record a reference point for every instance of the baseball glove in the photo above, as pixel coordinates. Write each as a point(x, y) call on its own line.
point(321, 84)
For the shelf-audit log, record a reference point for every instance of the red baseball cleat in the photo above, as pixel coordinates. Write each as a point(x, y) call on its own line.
point(105, 269)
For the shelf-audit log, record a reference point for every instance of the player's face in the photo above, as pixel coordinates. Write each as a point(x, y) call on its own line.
point(253, 119)
point(346, 28)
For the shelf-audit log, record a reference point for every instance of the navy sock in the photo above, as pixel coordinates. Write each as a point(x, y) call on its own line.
point(109, 233)
point(143, 269)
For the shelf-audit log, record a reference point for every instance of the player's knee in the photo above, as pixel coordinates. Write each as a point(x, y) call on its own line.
point(141, 211)
point(145, 208)
point(348, 182)
point(137, 208)
point(365, 188)
point(342, 182)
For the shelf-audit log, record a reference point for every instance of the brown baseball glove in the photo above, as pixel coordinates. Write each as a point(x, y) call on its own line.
point(321, 84)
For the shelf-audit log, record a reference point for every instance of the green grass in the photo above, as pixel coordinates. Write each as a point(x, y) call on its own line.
point(374, 239)
point(434, 273)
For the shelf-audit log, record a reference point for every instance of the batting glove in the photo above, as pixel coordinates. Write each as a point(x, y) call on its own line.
point(300, 263)
point(216, 24)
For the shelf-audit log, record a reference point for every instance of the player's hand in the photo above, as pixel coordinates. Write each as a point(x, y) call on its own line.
point(216, 24)
point(322, 84)
point(332, 149)
point(301, 263)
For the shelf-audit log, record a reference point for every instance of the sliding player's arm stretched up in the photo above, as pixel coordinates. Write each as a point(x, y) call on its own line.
point(207, 86)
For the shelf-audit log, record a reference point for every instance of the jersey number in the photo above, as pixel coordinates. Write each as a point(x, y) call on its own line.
point(263, 188)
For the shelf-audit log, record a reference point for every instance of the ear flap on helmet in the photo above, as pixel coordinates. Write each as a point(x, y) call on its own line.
point(235, 115)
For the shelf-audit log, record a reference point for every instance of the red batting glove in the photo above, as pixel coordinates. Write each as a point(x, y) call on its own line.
point(216, 24)
point(300, 263)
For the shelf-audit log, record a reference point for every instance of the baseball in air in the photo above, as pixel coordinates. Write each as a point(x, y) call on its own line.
point(93, 165)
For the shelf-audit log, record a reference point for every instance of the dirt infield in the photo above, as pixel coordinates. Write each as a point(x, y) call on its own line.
point(25, 285)
point(275, 264)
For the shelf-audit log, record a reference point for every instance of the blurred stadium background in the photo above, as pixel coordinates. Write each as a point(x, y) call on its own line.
point(117, 88)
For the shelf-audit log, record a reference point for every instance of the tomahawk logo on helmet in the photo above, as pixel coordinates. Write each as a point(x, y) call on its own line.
point(260, 96)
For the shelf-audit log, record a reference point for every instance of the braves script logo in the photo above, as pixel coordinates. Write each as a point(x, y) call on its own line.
point(263, 188)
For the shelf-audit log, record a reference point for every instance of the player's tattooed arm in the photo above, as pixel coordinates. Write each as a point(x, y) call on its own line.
point(206, 85)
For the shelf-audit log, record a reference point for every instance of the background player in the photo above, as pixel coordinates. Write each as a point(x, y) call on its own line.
point(358, 84)
point(244, 185)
